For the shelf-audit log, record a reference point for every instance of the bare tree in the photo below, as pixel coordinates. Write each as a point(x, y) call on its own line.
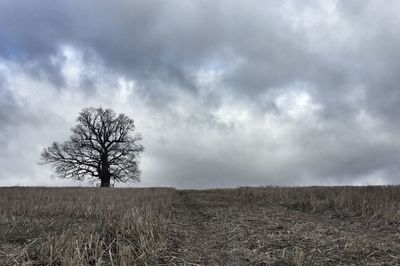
point(103, 146)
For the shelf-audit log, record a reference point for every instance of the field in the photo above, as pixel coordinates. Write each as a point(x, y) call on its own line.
point(75, 226)
point(163, 226)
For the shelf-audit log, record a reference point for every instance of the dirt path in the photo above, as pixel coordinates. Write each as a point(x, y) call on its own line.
point(195, 239)
point(218, 228)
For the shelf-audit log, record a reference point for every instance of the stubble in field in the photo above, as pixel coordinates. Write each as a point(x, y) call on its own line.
point(78, 226)
point(244, 226)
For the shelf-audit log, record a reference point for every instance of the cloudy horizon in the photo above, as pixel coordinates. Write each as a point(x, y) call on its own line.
point(225, 93)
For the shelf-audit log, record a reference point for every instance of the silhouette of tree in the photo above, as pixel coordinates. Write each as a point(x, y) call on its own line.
point(103, 146)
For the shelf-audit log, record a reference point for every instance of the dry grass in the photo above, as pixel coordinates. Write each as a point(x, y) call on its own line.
point(245, 226)
point(369, 202)
point(83, 226)
point(234, 227)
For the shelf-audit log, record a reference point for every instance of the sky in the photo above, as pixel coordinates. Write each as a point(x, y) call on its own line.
point(225, 93)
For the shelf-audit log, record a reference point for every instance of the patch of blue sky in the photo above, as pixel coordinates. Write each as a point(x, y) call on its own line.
point(9, 50)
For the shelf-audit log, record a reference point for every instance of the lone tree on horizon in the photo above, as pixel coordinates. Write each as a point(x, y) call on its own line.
point(103, 146)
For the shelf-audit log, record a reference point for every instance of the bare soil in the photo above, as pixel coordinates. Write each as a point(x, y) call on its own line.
point(216, 227)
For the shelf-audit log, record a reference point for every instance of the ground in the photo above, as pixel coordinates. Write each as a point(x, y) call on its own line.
point(165, 226)
point(218, 228)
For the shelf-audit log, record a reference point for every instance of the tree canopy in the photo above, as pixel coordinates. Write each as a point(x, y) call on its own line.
point(103, 146)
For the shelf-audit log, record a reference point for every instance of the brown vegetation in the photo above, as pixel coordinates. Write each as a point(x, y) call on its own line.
point(369, 202)
point(78, 226)
point(286, 226)
point(245, 226)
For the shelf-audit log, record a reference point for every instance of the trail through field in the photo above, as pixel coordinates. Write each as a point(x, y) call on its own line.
point(218, 228)
point(196, 239)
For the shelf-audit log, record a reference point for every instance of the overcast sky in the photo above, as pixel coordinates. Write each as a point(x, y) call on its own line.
point(226, 93)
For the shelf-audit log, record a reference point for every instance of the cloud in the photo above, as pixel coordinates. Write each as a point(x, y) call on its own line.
point(225, 94)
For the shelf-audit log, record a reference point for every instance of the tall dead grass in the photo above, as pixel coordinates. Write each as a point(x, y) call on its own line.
point(83, 226)
point(367, 201)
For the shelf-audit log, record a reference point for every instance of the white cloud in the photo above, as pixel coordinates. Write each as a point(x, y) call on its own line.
point(258, 93)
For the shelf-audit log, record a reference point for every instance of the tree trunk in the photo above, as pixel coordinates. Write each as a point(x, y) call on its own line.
point(105, 183)
point(105, 180)
point(105, 172)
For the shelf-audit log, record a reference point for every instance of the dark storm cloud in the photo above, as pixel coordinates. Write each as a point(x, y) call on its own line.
point(256, 92)
point(147, 39)
point(167, 41)
point(156, 40)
